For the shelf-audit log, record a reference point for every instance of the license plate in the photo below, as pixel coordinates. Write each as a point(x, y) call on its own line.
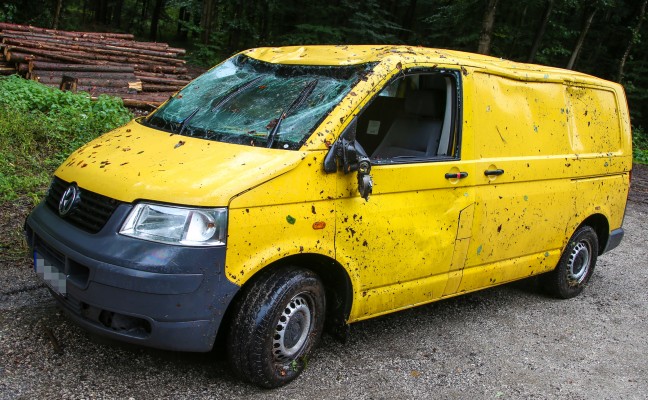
point(50, 274)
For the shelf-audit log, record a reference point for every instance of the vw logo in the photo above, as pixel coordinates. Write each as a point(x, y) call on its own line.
point(68, 200)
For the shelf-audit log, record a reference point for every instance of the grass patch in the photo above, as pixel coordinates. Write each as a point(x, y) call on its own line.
point(640, 146)
point(40, 126)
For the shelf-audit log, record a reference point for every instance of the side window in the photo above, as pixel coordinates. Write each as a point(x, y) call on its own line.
point(413, 119)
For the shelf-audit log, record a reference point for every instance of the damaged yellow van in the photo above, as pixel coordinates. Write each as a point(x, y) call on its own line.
point(289, 189)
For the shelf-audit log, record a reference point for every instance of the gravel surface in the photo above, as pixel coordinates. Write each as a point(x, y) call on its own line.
point(506, 342)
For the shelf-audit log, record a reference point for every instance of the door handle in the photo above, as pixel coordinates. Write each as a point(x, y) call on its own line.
point(493, 172)
point(456, 175)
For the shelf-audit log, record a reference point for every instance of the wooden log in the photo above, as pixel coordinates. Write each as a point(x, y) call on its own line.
point(6, 70)
point(49, 66)
point(29, 28)
point(158, 80)
point(18, 57)
point(90, 47)
point(69, 83)
point(124, 76)
point(167, 69)
point(135, 85)
point(146, 74)
point(91, 54)
point(149, 87)
point(23, 67)
point(146, 104)
point(40, 53)
point(116, 42)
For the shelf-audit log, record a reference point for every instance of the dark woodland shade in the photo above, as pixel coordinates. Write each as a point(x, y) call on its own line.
point(599, 37)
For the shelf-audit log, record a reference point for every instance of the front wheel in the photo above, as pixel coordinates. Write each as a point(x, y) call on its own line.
point(275, 324)
point(576, 265)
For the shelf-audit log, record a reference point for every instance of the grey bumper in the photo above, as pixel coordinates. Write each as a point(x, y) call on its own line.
point(157, 295)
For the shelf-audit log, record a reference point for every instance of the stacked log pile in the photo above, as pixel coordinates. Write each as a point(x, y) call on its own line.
point(143, 74)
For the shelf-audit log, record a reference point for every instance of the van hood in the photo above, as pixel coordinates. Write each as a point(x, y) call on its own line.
point(136, 162)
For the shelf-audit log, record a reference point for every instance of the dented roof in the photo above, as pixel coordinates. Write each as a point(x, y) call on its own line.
point(359, 54)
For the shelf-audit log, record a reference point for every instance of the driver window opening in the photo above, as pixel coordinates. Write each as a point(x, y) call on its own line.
point(413, 118)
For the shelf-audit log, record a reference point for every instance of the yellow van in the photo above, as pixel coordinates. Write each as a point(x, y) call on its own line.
point(289, 189)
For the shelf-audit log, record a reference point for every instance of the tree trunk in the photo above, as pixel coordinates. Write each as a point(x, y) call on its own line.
point(57, 14)
point(119, 6)
point(155, 19)
point(633, 39)
point(541, 31)
point(487, 28)
point(206, 21)
point(408, 20)
point(581, 39)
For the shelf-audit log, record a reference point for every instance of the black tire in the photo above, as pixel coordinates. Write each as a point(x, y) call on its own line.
point(276, 323)
point(575, 267)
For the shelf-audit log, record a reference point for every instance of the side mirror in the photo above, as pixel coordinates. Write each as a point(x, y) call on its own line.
point(347, 154)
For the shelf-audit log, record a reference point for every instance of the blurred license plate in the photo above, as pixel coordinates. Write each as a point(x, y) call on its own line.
point(50, 274)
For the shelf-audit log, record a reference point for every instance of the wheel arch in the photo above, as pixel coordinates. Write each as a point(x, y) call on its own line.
point(601, 226)
point(337, 284)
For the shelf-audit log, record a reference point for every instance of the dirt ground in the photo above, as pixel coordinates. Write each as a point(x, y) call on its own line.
point(506, 342)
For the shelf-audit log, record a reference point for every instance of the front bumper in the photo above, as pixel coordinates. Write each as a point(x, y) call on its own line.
point(153, 294)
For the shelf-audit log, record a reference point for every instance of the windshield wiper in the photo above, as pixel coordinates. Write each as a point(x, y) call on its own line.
point(303, 95)
point(185, 122)
point(234, 92)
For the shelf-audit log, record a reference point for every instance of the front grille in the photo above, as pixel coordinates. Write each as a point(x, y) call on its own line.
point(91, 212)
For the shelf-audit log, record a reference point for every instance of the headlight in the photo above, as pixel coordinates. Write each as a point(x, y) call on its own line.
point(177, 225)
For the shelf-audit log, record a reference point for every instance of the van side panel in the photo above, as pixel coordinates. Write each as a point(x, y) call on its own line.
point(518, 119)
point(563, 152)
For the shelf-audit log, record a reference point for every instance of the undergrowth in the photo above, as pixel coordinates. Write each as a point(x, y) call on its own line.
point(640, 146)
point(40, 126)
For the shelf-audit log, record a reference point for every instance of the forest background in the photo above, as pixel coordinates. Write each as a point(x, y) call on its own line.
point(605, 38)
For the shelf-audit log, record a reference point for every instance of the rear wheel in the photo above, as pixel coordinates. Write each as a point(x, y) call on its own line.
point(576, 265)
point(276, 323)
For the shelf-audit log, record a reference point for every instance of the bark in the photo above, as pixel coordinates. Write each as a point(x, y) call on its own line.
point(94, 48)
point(57, 14)
point(168, 81)
point(581, 39)
point(119, 76)
point(632, 41)
point(206, 21)
point(155, 19)
point(408, 20)
point(184, 15)
point(148, 87)
point(167, 69)
point(487, 28)
point(104, 41)
point(48, 66)
point(84, 57)
point(116, 83)
point(25, 28)
point(145, 74)
point(68, 83)
point(541, 31)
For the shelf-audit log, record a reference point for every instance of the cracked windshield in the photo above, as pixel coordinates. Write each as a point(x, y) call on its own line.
point(251, 102)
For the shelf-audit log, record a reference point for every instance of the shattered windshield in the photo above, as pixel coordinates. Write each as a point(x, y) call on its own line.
point(247, 101)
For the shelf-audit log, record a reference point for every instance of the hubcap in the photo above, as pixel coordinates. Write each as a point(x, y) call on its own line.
point(292, 329)
point(579, 263)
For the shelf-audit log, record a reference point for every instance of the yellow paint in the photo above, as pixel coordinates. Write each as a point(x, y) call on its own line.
point(561, 137)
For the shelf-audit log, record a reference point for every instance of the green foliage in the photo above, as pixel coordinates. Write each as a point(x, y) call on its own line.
point(640, 146)
point(8, 12)
point(41, 126)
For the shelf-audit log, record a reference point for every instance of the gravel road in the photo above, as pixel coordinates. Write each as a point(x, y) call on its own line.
point(509, 342)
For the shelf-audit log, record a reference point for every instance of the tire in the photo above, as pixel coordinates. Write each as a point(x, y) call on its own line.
point(575, 267)
point(276, 323)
